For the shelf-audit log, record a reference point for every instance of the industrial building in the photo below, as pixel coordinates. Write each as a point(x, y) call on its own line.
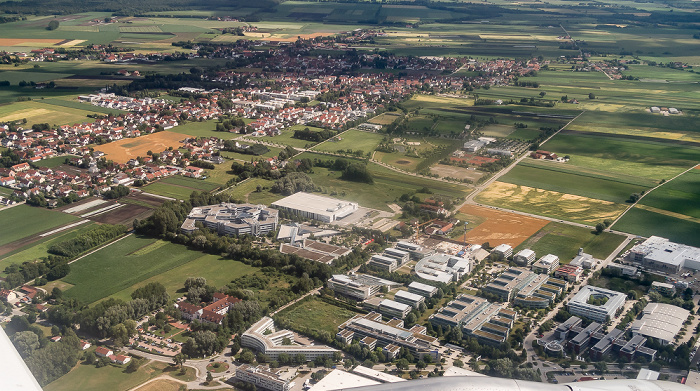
point(660, 321)
point(316, 207)
point(232, 219)
point(524, 257)
point(488, 322)
point(392, 336)
point(262, 377)
point(579, 305)
point(662, 255)
point(442, 267)
point(424, 290)
point(358, 286)
point(546, 264)
point(264, 338)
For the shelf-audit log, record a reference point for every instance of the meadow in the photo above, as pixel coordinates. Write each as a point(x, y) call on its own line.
point(28, 220)
point(681, 195)
point(179, 187)
point(122, 265)
point(647, 223)
point(352, 140)
point(315, 314)
point(112, 377)
point(286, 138)
point(39, 112)
point(564, 240)
point(247, 191)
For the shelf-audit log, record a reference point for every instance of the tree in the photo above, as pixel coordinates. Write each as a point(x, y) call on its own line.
point(53, 25)
point(248, 357)
point(591, 96)
point(599, 228)
point(459, 363)
point(210, 378)
point(402, 364)
point(133, 366)
point(179, 359)
point(25, 342)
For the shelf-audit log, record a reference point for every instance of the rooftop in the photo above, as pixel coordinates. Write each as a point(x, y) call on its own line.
point(662, 321)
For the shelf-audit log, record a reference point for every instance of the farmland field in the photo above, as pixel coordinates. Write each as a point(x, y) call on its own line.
point(315, 314)
point(122, 265)
point(27, 221)
point(352, 140)
point(286, 137)
point(39, 112)
point(550, 203)
point(646, 223)
point(123, 150)
point(179, 187)
point(679, 196)
point(499, 227)
point(564, 241)
point(197, 184)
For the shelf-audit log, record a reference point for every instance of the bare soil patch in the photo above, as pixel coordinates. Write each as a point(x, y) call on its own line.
point(501, 227)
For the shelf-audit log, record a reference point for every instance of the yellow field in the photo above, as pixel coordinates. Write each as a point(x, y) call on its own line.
point(29, 114)
point(130, 148)
point(550, 203)
point(160, 385)
point(385, 118)
point(36, 112)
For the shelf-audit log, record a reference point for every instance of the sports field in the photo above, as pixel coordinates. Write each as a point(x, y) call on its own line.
point(122, 265)
point(550, 203)
point(564, 241)
point(500, 227)
point(122, 151)
point(28, 220)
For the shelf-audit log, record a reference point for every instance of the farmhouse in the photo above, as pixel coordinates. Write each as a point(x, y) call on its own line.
point(316, 207)
point(232, 219)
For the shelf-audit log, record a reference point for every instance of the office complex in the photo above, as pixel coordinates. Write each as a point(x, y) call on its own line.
point(488, 322)
point(232, 219)
point(660, 321)
point(264, 338)
point(424, 290)
point(546, 264)
point(660, 254)
point(526, 288)
point(316, 207)
point(358, 286)
point(442, 267)
point(262, 377)
point(580, 306)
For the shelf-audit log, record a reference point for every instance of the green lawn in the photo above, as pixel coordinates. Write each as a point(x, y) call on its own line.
point(246, 192)
point(197, 184)
point(24, 220)
point(564, 240)
point(53, 162)
point(40, 249)
point(122, 265)
point(647, 223)
point(316, 314)
point(216, 270)
point(179, 187)
point(111, 377)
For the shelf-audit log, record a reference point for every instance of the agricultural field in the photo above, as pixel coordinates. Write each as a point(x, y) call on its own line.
point(497, 227)
point(122, 265)
point(681, 196)
point(36, 112)
point(550, 203)
point(123, 150)
point(646, 223)
point(241, 157)
point(315, 314)
point(385, 118)
point(202, 129)
point(564, 240)
point(179, 187)
point(351, 141)
point(216, 270)
point(27, 222)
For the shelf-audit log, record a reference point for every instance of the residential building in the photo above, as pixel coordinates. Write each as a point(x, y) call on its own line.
point(232, 219)
point(392, 336)
point(424, 290)
point(211, 313)
point(488, 322)
point(663, 288)
point(524, 257)
point(662, 255)
point(442, 267)
point(660, 321)
point(358, 286)
point(579, 304)
point(103, 351)
point(316, 207)
point(265, 338)
point(262, 377)
point(546, 264)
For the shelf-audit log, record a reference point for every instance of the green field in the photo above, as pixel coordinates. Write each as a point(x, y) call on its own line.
point(273, 152)
point(647, 223)
point(246, 191)
point(564, 240)
point(40, 249)
point(179, 187)
point(351, 141)
point(197, 184)
point(681, 195)
point(53, 162)
point(204, 129)
point(286, 138)
point(27, 220)
point(37, 112)
point(122, 265)
point(216, 270)
point(315, 314)
point(111, 377)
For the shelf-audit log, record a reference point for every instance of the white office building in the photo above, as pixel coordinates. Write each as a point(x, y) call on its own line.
point(316, 207)
point(579, 305)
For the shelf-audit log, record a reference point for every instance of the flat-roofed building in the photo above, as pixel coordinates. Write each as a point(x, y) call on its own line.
point(401, 256)
point(663, 288)
point(564, 329)
point(263, 337)
point(605, 344)
point(660, 254)
point(384, 263)
point(581, 341)
point(391, 308)
point(424, 290)
point(546, 264)
point(442, 267)
point(415, 251)
point(569, 273)
point(526, 288)
point(503, 249)
point(524, 257)
point(391, 337)
point(358, 286)
point(623, 270)
point(579, 304)
point(409, 298)
point(660, 321)
point(262, 377)
point(232, 219)
point(316, 207)
point(488, 322)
